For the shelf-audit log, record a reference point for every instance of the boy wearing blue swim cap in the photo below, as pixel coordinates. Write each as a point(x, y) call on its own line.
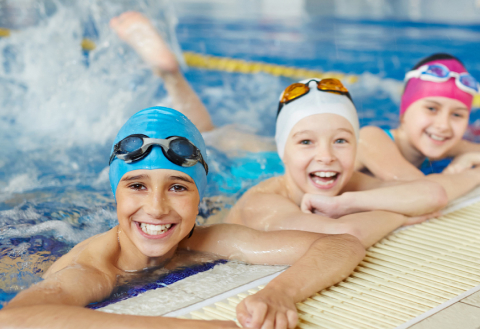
point(158, 171)
point(317, 133)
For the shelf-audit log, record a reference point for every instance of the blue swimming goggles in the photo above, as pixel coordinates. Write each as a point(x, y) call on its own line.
point(441, 73)
point(177, 150)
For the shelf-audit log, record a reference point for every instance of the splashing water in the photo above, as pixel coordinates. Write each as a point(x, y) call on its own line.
point(60, 108)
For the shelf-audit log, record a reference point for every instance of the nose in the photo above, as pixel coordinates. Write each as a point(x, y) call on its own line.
point(157, 204)
point(442, 121)
point(324, 154)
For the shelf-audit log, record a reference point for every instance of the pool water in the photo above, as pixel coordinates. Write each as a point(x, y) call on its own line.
point(60, 107)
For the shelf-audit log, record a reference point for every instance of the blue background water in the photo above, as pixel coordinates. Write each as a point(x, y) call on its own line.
point(60, 108)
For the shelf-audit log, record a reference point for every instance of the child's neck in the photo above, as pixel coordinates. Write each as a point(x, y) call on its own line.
point(294, 193)
point(409, 152)
point(130, 259)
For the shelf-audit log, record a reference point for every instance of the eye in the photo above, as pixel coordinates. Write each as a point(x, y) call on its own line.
point(340, 141)
point(458, 115)
point(137, 187)
point(178, 188)
point(431, 108)
point(306, 142)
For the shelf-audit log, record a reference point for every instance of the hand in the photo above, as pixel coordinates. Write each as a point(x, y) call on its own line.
point(220, 324)
point(420, 219)
point(327, 206)
point(267, 309)
point(463, 162)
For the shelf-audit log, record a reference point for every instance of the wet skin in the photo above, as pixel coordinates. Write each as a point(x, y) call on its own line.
point(169, 200)
point(320, 184)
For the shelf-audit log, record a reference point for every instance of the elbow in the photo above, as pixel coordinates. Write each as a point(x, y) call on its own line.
point(351, 245)
point(437, 195)
point(347, 229)
point(442, 200)
point(8, 318)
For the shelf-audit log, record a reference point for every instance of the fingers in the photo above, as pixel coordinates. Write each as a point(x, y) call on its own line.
point(269, 322)
point(267, 312)
point(422, 218)
point(251, 314)
point(242, 314)
point(451, 169)
point(281, 321)
point(258, 310)
point(306, 205)
point(292, 317)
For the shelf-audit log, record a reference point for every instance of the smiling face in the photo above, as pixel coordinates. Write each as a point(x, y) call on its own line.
point(156, 209)
point(434, 125)
point(320, 154)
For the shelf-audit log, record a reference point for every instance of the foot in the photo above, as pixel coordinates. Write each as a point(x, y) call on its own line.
point(136, 30)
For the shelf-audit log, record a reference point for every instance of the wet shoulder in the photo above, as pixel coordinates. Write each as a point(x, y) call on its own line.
point(372, 133)
point(274, 185)
point(98, 251)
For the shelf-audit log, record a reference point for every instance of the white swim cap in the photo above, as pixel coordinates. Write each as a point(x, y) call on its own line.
point(314, 102)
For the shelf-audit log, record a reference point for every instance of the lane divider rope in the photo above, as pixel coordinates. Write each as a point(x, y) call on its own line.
point(228, 64)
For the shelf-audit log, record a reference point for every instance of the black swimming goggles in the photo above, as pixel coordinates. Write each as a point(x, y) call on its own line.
point(178, 150)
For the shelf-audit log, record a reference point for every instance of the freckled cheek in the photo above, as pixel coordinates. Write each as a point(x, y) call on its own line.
point(127, 206)
point(187, 207)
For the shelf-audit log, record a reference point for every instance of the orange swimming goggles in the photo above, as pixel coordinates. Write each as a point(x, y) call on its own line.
point(299, 89)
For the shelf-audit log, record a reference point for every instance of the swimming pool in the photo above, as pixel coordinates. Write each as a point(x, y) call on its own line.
point(60, 107)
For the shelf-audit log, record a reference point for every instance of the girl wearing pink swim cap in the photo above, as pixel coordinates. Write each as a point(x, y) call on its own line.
point(434, 112)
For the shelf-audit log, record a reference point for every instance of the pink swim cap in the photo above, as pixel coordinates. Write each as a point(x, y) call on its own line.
point(416, 88)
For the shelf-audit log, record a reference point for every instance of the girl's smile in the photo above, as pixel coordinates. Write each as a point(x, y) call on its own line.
point(320, 154)
point(434, 125)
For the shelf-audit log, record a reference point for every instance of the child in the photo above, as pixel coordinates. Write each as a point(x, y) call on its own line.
point(158, 173)
point(316, 135)
point(275, 203)
point(434, 113)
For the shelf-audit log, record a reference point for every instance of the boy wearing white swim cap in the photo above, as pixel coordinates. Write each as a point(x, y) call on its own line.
point(316, 134)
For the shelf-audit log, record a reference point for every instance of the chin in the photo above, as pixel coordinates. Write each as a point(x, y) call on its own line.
point(433, 153)
point(334, 191)
point(154, 252)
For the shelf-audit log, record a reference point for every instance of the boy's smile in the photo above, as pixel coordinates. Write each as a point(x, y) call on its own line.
point(154, 231)
point(156, 209)
point(320, 153)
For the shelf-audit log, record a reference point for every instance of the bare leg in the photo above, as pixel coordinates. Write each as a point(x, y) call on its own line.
point(136, 30)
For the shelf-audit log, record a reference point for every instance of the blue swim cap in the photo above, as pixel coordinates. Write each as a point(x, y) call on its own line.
point(159, 122)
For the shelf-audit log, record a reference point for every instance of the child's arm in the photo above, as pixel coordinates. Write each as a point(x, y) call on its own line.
point(381, 156)
point(61, 316)
point(414, 198)
point(466, 155)
point(57, 302)
point(270, 212)
point(319, 261)
point(458, 184)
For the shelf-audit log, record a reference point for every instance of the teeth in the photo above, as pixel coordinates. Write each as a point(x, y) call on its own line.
point(154, 229)
point(321, 182)
point(437, 138)
point(325, 173)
